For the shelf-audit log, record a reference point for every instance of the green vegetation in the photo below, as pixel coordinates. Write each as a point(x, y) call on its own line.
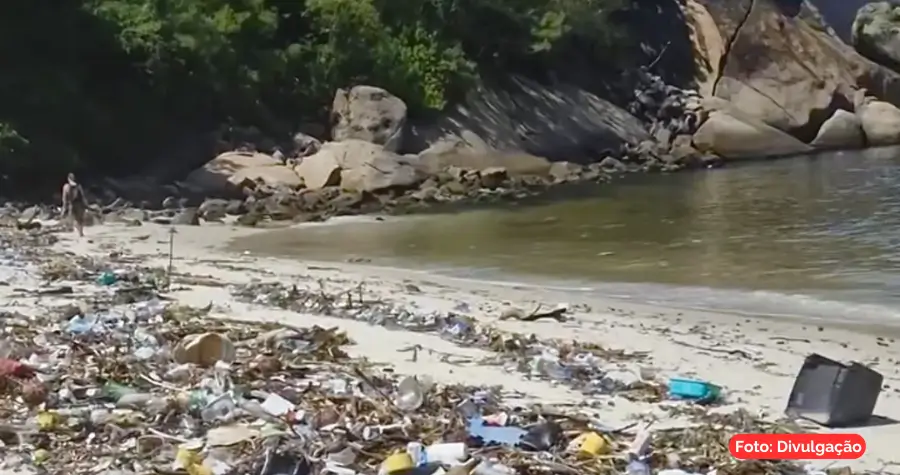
point(104, 84)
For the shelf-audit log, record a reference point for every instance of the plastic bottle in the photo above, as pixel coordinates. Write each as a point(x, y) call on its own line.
point(146, 310)
point(637, 467)
point(221, 408)
point(79, 325)
point(115, 391)
point(145, 402)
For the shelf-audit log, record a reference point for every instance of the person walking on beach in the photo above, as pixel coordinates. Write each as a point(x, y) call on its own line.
point(74, 203)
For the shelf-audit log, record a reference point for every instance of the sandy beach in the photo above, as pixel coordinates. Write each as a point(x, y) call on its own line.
point(755, 360)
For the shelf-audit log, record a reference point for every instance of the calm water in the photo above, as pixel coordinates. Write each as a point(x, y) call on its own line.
point(813, 236)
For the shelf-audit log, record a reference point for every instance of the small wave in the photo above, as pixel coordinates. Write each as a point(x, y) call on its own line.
point(806, 306)
point(766, 303)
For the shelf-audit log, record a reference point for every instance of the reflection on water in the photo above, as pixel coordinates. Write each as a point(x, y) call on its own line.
point(824, 225)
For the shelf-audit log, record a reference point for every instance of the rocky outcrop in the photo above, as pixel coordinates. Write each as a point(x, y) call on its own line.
point(876, 32)
point(371, 114)
point(775, 61)
point(560, 122)
point(842, 131)
point(230, 170)
point(881, 123)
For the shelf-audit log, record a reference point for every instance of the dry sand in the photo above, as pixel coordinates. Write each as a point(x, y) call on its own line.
point(758, 376)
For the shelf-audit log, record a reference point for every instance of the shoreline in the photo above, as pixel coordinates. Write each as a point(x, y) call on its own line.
point(758, 376)
point(869, 318)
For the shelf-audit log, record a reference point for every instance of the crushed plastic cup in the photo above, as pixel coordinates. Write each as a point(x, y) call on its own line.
point(397, 463)
point(144, 353)
point(107, 278)
point(591, 444)
point(345, 456)
point(82, 325)
point(147, 310)
point(410, 394)
point(498, 419)
point(447, 453)
point(277, 405)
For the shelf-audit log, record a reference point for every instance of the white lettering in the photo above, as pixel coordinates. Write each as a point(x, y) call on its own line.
point(752, 447)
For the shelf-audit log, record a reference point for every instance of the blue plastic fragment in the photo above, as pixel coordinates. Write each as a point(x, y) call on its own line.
point(494, 435)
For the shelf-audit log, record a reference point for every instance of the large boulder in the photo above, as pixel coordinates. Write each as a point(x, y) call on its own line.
point(371, 114)
point(843, 130)
point(382, 172)
point(876, 32)
point(881, 123)
point(739, 137)
point(776, 61)
point(358, 165)
point(229, 170)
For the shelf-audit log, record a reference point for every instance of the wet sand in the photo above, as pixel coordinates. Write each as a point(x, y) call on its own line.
point(754, 359)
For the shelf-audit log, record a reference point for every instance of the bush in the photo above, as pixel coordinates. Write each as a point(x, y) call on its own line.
point(100, 84)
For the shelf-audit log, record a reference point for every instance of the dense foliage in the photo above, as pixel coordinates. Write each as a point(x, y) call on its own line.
point(108, 83)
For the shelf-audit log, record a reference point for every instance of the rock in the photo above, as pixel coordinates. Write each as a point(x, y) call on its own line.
point(360, 166)
point(232, 170)
point(345, 200)
point(319, 170)
point(526, 118)
point(453, 188)
point(380, 173)
point(843, 130)
point(493, 177)
point(881, 123)
point(187, 217)
point(780, 64)
point(305, 145)
point(281, 206)
point(427, 192)
point(454, 153)
point(733, 138)
point(213, 209)
point(876, 32)
point(613, 164)
point(371, 114)
point(128, 215)
point(565, 171)
point(235, 208)
point(250, 219)
point(170, 202)
point(682, 149)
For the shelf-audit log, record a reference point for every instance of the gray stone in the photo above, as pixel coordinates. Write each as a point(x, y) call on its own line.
point(843, 130)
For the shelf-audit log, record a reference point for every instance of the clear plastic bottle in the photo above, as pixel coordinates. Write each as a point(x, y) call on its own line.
point(222, 408)
point(637, 467)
